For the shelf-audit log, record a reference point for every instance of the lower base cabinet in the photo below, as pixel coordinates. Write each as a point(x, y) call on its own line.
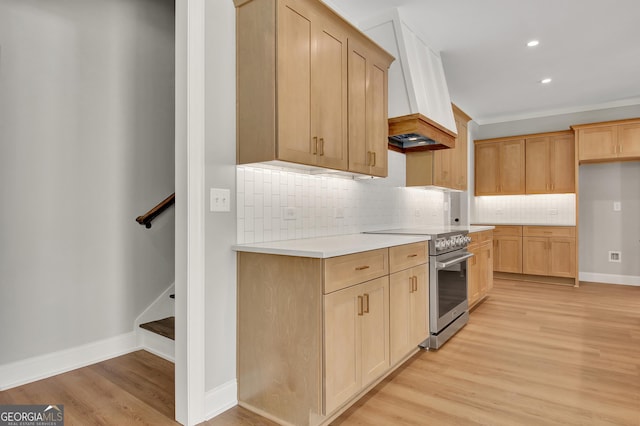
point(314, 334)
point(356, 345)
point(549, 251)
point(480, 266)
point(409, 314)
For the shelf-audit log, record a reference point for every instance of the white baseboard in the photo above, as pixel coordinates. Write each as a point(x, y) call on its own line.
point(610, 278)
point(43, 366)
point(220, 399)
point(156, 344)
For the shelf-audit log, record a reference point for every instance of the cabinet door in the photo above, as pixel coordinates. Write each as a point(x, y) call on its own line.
point(562, 257)
point(490, 255)
point(375, 329)
point(508, 254)
point(442, 168)
point(401, 292)
point(367, 111)
point(420, 305)
point(629, 141)
point(473, 276)
point(329, 95)
point(597, 143)
point(459, 156)
point(537, 166)
point(295, 41)
point(562, 164)
point(512, 167)
point(535, 251)
point(487, 163)
point(343, 312)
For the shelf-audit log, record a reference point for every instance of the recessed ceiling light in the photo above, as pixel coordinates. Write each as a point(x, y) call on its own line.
point(545, 81)
point(533, 43)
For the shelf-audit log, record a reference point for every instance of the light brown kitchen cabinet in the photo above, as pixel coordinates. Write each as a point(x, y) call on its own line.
point(446, 168)
point(608, 141)
point(549, 251)
point(409, 307)
point(293, 85)
point(550, 163)
point(315, 334)
point(500, 167)
point(368, 127)
point(356, 339)
point(507, 248)
point(480, 267)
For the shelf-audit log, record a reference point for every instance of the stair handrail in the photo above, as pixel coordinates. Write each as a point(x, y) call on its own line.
point(148, 217)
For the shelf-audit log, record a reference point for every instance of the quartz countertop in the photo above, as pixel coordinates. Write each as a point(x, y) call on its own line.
point(324, 247)
point(433, 230)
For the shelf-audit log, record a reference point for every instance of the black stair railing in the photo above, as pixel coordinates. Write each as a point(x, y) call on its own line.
point(148, 217)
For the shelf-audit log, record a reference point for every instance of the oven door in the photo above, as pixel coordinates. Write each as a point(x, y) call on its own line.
point(447, 288)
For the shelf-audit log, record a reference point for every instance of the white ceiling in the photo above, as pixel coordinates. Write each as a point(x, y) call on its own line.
point(590, 48)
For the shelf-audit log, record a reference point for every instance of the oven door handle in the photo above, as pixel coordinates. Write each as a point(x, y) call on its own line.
point(442, 265)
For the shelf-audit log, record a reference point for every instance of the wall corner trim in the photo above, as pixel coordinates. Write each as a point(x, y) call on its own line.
point(220, 399)
point(43, 366)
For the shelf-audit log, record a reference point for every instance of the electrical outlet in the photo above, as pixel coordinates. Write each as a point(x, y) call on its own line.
point(219, 200)
point(339, 213)
point(615, 256)
point(289, 213)
point(553, 211)
point(617, 206)
point(417, 213)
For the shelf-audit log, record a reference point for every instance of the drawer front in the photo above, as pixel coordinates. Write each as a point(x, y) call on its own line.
point(344, 271)
point(508, 230)
point(480, 237)
point(408, 256)
point(550, 231)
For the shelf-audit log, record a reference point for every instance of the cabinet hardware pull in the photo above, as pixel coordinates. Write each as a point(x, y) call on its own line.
point(366, 301)
point(411, 283)
point(361, 268)
point(315, 145)
point(415, 283)
point(321, 147)
point(619, 149)
point(359, 306)
point(412, 255)
point(374, 159)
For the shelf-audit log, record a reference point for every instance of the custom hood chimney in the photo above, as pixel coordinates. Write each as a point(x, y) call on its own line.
point(420, 110)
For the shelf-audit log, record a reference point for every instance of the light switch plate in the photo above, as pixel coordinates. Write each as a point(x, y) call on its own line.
point(219, 200)
point(617, 206)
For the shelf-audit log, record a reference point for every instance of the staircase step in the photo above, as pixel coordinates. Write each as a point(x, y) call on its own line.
point(164, 327)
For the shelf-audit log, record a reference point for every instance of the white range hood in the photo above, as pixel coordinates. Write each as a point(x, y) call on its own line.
point(420, 110)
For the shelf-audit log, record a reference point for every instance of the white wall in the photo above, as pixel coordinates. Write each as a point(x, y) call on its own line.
point(220, 170)
point(318, 201)
point(86, 131)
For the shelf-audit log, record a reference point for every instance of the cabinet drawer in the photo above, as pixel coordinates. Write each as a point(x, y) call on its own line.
point(344, 271)
point(549, 231)
point(480, 237)
point(508, 230)
point(407, 256)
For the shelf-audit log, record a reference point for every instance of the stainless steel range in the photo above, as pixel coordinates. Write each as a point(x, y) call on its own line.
point(448, 304)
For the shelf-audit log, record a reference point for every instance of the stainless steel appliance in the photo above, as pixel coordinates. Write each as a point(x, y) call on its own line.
point(448, 256)
point(448, 304)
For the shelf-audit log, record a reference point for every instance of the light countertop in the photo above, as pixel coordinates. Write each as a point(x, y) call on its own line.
point(432, 230)
point(325, 247)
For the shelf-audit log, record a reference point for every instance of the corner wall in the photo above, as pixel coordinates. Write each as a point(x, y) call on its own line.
point(87, 145)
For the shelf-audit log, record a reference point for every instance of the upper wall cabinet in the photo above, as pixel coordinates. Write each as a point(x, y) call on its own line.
point(542, 163)
point(293, 88)
point(550, 163)
point(500, 167)
point(446, 168)
point(609, 141)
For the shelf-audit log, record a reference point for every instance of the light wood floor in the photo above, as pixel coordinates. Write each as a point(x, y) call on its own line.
point(532, 354)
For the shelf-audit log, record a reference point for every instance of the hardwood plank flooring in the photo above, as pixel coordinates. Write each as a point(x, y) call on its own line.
point(532, 354)
point(133, 389)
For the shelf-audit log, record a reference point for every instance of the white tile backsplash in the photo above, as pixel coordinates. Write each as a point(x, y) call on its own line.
point(543, 209)
point(363, 205)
